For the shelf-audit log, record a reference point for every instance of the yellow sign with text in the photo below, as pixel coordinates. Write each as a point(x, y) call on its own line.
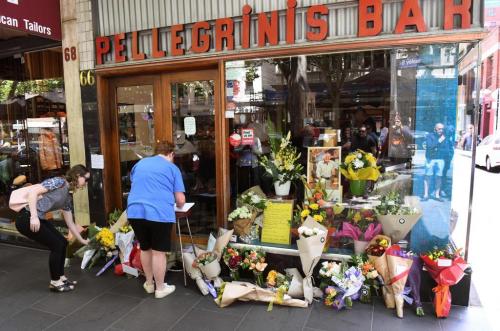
point(277, 220)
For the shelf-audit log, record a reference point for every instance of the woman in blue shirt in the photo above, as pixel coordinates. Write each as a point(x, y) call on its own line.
point(157, 187)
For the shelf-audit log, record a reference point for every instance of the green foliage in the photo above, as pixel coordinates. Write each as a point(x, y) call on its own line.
point(9, 88)
point(114, 216)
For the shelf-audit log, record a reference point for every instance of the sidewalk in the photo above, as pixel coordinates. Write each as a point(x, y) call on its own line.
point(116, 303)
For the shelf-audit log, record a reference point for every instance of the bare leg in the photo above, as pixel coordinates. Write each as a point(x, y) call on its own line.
point(439, 180)
point(159, 269)
point(426, 186)
point(147, 265)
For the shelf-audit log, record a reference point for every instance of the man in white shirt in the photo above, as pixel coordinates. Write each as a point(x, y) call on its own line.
point(324, 168)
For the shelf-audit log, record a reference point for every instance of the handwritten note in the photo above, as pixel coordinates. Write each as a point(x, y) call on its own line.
point(277, 219)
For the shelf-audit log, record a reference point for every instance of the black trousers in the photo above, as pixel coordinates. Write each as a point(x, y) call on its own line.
point(47, 236)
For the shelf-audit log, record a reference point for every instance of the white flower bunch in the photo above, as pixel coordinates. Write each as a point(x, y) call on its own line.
point(239, 213)
point(358, 164)
point(308, 232)
point(328, 269)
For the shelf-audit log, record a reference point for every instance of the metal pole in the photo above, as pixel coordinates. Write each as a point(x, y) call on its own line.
point(474, 143)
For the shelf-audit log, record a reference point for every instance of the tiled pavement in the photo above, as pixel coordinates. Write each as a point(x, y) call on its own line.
point(117, 303)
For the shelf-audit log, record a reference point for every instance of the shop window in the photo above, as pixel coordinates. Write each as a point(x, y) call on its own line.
point(337, 103)
point(33, 138)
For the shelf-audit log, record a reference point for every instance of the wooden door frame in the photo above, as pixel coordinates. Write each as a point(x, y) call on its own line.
point(108, 119)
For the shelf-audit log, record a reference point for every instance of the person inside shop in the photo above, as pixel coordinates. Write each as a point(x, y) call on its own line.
point(437, 150)
point(157, 187)
point(364, 142)
point(398, 141)
point(346, 139)
point(50, 195)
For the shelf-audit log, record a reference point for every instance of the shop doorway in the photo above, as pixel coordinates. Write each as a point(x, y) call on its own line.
point(181, 107)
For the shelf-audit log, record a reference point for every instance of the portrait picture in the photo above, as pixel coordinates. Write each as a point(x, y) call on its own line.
point(323, 165)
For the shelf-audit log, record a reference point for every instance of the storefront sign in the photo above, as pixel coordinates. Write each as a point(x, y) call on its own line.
point(277, 220)
point(247, 137)
point(35, 17)
point(220, 35)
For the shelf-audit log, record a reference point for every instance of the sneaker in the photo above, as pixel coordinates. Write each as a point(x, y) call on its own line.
point(149, 288)
point(167, 289)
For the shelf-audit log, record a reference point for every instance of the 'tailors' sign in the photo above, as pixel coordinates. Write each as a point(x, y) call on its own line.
point(42, 18)
point(222, 30)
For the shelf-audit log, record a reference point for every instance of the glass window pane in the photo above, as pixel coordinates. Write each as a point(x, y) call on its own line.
point(136, 128)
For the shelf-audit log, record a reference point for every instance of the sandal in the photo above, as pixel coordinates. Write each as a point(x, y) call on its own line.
point(61, 288)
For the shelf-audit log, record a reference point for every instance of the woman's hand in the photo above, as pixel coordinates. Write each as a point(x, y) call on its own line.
point(84, 241)
point(34, 224)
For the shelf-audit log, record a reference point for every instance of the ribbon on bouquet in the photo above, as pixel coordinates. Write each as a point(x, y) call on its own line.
point(442, 293)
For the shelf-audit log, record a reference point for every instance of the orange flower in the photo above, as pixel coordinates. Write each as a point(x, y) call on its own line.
point(318, 195)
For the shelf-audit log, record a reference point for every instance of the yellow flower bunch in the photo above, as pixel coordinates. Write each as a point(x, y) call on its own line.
point(106, 238)
point(126, 228)
point(360, 165)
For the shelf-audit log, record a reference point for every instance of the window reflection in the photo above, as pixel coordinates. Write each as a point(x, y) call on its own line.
point(408, 107)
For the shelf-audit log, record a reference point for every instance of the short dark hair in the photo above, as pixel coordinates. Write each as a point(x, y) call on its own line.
point(164, 147)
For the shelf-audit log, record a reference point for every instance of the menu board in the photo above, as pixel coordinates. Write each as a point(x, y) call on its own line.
point(277, 219)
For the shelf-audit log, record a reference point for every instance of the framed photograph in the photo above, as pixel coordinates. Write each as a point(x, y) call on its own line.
point(323, 165)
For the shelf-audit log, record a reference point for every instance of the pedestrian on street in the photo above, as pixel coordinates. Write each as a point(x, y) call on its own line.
point(437, 150)
point(157, 186)
point(50, 195)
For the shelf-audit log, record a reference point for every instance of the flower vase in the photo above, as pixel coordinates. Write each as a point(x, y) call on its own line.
point(282, 189)
point(234, 274)
point(360, 246)
point(259, 278)
point(357, 187)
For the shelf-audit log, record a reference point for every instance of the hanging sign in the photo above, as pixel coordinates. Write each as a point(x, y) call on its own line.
point(235, 139)
point(190, 126)
point(247, 137)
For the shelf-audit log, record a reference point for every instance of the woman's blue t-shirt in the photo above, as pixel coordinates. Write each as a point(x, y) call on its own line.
point(154, 182)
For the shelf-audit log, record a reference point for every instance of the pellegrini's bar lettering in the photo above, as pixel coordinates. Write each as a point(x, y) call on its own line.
point(370, 15)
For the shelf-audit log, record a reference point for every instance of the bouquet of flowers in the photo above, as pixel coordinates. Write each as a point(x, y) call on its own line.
point(278, 283)
point(255, 260)
point(399, 264)
point(346, 289)
point(233, 259)
point(208, 264)
point(377, 257)
point(372, 279)
point(124, 239)
point(282, 164)
point(253, 200)
point(233, 291)
point(360, 165)
point(398, 216)
point(328, 269)
point(101, 245)
point(307, 232)
point(204, 267)
point(310, 250)
point(447, 268)
point(242, 219)
point(361, 226)
point(310, 210)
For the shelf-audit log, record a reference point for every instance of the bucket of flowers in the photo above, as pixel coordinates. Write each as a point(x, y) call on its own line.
point(359, 167)
point(282, 165)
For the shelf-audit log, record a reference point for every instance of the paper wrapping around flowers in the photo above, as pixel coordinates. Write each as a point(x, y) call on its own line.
point(221, 242)
point(121, 221)
point(87, 256)
point(125, 243)
point(195, 273)
point(380, 264)
point(398, 226)
point(399, 266)
point(244, 291)
point(310, 250)
point(243, 226)
point(210, 270)
point(296, 287)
